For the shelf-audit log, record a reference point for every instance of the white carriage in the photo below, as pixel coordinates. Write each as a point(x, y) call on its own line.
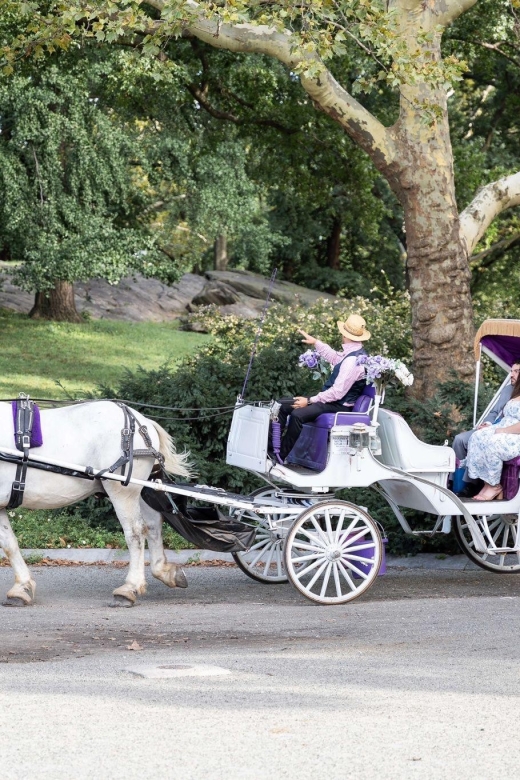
point(331, 550)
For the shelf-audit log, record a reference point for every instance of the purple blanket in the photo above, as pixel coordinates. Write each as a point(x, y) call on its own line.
point(36, 435)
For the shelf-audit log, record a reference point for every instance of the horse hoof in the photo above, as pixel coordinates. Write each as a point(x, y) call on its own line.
point(121, 601)
point(12, 601)
point(180, 579)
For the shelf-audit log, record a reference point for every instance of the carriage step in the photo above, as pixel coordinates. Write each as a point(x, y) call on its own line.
point(502, 550)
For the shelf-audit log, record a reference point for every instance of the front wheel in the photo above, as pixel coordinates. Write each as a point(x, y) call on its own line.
point(502, 531)
point(333, 552)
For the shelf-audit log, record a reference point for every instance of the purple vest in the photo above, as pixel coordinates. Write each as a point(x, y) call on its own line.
point(357, 388)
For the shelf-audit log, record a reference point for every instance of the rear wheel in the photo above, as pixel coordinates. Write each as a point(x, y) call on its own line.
point(263, 561)
point(500, 530)
point(333, 552)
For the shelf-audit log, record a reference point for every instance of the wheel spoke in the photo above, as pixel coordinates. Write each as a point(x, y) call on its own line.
point(336, 580)
point(355, 569)
point(260, 554)
point(269, 559)
point(365, 561)
point(339, 526)
point(348, 540)
point(319, 530)
point(309, 568)
point(328, 526)
point(279, 571)
point(367, 546)
point(347, 576)
point(326, 578)
point(317, 575)
point(303, 558)
point(313, 537)
point(263, 541)
point(305, 546)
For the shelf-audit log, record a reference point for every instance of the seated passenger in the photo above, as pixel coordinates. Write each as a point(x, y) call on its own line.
point(489, 447)
point(461, 440)
point(340, 391)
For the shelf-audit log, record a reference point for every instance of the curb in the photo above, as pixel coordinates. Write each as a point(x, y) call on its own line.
point(88, 555)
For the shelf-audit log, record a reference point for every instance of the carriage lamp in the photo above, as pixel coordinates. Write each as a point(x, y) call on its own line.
point(359, 437)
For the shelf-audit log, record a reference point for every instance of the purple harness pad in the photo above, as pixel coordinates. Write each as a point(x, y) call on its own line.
point(36, 433)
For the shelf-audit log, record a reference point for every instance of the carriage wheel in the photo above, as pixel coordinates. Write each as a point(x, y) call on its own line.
point(503, 529)
point(333, 552)
point(263, 561)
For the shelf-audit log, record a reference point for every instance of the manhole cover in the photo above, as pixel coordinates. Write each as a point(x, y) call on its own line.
point(165, 671)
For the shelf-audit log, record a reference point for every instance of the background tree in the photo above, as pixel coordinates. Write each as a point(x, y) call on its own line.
point(68, 200)
point(402, 39)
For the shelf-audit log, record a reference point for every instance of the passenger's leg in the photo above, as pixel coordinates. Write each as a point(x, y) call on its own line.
point(298, 418)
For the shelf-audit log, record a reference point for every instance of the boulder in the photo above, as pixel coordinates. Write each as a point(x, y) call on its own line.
point(256, 286)
point(217, 293)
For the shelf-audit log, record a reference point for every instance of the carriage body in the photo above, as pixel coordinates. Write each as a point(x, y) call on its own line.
point(407, 473)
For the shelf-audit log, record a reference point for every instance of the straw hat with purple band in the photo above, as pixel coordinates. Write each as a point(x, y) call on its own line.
point(354, 328)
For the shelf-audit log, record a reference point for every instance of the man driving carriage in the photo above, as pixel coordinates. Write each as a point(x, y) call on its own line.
point(340, 391)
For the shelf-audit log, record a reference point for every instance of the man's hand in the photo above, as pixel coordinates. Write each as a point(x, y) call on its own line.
point(484, 425)
point(307, 339)
point(300, 402)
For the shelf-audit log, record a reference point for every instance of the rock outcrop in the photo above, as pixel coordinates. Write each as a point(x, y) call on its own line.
point(139, 299)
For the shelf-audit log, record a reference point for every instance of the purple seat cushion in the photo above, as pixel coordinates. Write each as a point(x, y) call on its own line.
point(509, 478)
point(348, 418)
point(311, 449)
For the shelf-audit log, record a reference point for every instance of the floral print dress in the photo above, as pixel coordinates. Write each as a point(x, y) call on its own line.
point(488, 449)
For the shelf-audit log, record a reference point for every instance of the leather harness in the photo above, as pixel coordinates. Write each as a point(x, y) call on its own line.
point(24, 424)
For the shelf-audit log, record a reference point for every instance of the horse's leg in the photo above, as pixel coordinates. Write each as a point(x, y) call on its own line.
point(24, 588)
point(169, 573)
point(126, 505)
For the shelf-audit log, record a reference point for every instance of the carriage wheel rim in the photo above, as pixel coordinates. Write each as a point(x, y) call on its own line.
point(500, 530)
point(333, 548)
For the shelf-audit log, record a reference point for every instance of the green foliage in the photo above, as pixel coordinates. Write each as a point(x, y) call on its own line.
point(68, 203)
point(83, 525)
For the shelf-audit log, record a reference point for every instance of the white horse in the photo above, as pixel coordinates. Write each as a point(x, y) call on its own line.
point(90, 434)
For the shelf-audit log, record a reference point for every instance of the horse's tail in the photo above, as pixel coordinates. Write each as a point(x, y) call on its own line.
point(174, 463)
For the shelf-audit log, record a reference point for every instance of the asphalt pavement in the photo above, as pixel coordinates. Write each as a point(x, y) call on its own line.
point(417, 679)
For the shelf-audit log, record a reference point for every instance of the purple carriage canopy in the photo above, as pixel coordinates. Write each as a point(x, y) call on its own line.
point(500, 341)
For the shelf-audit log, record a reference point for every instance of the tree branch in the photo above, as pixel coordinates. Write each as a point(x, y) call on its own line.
point(487, 257)
point(370, 134)
point(488, 204)
point(447, 11)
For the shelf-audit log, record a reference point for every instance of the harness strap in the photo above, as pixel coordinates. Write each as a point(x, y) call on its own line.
point(127, 447)
point(24, 424)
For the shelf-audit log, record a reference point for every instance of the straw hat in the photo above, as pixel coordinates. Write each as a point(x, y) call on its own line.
point(354, 328)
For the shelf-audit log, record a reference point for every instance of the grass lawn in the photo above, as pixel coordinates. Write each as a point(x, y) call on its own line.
point(34, 354)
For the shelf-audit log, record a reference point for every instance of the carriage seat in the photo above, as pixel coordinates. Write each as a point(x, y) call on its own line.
point(311, 449)
point(510, 478)
point(403, 450)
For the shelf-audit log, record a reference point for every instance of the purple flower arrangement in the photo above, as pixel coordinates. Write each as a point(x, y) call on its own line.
point(379, 370)
point(311, 360)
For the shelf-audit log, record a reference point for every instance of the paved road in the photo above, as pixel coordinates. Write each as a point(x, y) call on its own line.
point(418, 679)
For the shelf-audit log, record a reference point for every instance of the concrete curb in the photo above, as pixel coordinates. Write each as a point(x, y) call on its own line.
point(83, 555)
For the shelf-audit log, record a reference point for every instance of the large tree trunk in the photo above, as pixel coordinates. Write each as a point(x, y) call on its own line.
point(56, 304)
point(437, 259)
point(221, 255)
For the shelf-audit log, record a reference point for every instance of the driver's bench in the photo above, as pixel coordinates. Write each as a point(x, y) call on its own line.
point(311, 449)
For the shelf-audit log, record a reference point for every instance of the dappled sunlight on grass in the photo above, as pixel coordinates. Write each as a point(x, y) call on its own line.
point(34, 355)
